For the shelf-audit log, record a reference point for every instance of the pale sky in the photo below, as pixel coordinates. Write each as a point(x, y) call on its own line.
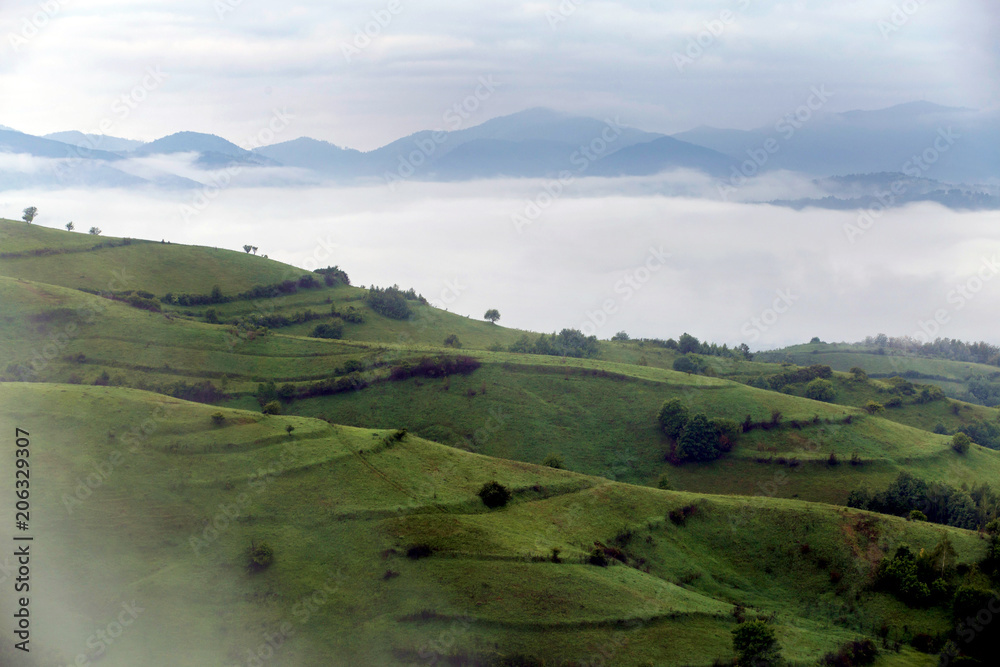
point(225, 66)
point(144, 69)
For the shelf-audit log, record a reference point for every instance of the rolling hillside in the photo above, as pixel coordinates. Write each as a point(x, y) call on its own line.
point(157, 473)
point(341, 509)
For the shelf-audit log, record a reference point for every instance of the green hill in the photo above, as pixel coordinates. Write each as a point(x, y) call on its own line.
point(952, 376)
point(156, 473)
point(134, 490)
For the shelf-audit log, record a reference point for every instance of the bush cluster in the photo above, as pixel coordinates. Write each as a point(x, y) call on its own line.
point(256, 292)
point(939, 502)
point(697, 437)
point(567, 343)
point(333, 276)
point(334, 329)
point(392, 301)
point(852, 654)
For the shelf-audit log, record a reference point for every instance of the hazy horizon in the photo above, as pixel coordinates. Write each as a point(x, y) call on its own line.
point(364, 75)
point(727, 264)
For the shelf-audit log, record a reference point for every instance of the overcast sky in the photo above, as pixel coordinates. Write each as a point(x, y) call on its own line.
point(225, 65)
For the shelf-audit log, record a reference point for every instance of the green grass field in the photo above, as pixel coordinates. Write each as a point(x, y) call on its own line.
point(167, 521)
point(143, 499)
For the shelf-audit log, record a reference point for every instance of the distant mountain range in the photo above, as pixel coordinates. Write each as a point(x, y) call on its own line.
point(942, 148)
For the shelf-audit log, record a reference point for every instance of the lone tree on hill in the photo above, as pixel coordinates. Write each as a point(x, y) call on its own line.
point(755, 644)
point(96, 231)
point(874, 407)
point(494, 494)
point(492, 315)
point(30, 214)
point(70, 226)
point(247, 249)
point(697, 442)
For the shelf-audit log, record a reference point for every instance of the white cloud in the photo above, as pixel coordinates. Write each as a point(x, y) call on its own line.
point(727, 260)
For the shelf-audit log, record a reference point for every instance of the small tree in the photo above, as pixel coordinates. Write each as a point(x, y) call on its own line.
point(452, 341)
point(698, 441)
point(859, 374)
point(96, 231)
point(960, 442)
point(554, 461)
point(492, 315)
point(685, 364)
point(820, 390)
point(272, 408)
point(30, 214)
point(218, 418)
point(874, 407)
point(494, 494)
point(755, 644)
point(673, 417)
point(261, 555)
point(247, 249)
point(70, 226)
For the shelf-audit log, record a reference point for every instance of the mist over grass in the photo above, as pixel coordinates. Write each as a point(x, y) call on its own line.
point(602, 255)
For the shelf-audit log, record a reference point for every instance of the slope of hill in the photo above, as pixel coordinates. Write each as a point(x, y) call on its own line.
point(382, 552)
point(320, 156)
point(156, 503)
point(17, 142)
point(213, 151)
point(961, 141)
point(952, 376)
point(598, 416)
point(102, 141)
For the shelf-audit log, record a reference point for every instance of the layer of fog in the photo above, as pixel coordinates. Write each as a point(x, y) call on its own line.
point(600, 255)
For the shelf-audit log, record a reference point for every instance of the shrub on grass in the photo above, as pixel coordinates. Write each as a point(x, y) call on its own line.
point(554, 461)
point(852, 654)
point(389, 301)
point(261, 556)
point(873, 407)
point(820, 390)
point(494, 494)
point(960, 443)
point(755, 644)
point(597, 558)
point(418, 551)
point(218, 418)
point(272, 408)
point(699, 440)
point(333, 330)
point(673, 417)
